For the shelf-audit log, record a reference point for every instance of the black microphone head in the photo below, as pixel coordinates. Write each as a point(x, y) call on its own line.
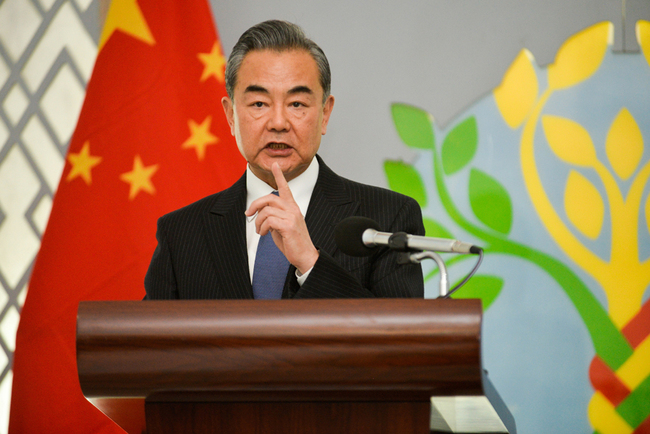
point(349, 232)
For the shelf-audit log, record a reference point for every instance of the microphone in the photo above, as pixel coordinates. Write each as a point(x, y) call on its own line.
point(357, 236)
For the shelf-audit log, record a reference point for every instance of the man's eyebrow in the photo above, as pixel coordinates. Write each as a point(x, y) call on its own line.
point(256, 88)
point(300, 89)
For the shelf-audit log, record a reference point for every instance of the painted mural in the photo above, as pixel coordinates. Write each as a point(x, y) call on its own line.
point(550, 174)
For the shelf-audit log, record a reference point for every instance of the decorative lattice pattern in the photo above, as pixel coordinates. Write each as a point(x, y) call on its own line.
point(47, 50)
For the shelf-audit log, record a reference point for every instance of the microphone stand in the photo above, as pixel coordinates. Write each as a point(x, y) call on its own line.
point(417, 257)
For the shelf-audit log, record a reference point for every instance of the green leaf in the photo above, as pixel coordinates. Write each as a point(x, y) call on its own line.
point(485, 287)
point(413, 126)
point(434, 229)
point(490, 201)
point(459, 146)
point(403, 178)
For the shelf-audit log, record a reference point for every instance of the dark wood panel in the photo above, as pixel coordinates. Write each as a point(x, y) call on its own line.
point(289, 418)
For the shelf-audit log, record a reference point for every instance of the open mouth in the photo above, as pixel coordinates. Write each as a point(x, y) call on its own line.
point(277, 146)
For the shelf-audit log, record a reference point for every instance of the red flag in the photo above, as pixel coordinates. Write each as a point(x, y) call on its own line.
point(151, 138)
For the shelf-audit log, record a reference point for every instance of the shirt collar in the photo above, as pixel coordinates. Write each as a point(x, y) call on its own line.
point(301, 187)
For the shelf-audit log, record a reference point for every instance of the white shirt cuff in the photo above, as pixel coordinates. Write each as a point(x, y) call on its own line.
point(302, 277)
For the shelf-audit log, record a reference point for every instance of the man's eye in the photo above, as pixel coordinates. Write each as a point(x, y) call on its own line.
point(297, 104)
point(258, 104)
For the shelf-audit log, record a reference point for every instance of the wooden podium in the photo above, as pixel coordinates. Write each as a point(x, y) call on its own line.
point(286, 366)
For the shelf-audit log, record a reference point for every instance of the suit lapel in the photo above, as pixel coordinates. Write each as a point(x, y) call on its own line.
point(329, 204)
point(226, 233)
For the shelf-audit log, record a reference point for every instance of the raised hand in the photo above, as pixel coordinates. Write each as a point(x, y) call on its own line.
point(282, 217)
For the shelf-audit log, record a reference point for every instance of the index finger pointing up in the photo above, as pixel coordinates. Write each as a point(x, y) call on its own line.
point(280, 181)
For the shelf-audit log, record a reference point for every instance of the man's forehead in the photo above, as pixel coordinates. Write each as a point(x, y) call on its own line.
point(263, 68)
point(278, 52)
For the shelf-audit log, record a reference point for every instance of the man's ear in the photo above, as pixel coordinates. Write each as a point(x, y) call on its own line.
point(229, 110)
point(327, 111)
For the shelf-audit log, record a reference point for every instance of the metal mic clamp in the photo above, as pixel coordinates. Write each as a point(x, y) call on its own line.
point(399, 241)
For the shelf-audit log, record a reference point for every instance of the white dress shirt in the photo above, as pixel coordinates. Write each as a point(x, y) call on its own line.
point(301, 188)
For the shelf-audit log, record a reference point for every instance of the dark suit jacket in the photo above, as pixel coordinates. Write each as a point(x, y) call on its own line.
point(201, 252)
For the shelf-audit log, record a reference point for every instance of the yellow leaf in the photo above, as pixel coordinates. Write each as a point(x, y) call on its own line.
point(624, 144)
point(643, 38)
point(584, 205)
point(580, 56)
point(517, 92)
point(569, 141)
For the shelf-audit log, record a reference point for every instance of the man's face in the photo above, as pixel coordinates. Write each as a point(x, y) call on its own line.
point(277, 112)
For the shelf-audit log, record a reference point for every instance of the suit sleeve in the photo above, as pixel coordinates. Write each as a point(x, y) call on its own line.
point(380, 275)
point(160, 280)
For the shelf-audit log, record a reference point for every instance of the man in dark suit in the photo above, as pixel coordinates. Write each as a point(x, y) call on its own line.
point(278, 107)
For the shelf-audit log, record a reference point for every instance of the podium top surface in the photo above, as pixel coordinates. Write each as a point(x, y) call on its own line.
point(258, 349)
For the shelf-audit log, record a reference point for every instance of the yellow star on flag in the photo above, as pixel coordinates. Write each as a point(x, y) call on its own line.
point(200, 137)
point(140, 178)
point(126, 15)
point(214, 63)
point(82, 163)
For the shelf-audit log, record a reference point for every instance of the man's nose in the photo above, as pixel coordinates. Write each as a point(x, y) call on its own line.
point(278, 120)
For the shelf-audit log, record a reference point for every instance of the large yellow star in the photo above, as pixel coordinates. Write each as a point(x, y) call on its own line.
point(140, 178)
point(214, 63)
point(200, 137)
point(125, 15)
point(82, 163)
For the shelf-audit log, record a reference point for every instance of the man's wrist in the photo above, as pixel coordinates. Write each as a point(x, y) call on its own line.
point(307, 262)
point(302, 276)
